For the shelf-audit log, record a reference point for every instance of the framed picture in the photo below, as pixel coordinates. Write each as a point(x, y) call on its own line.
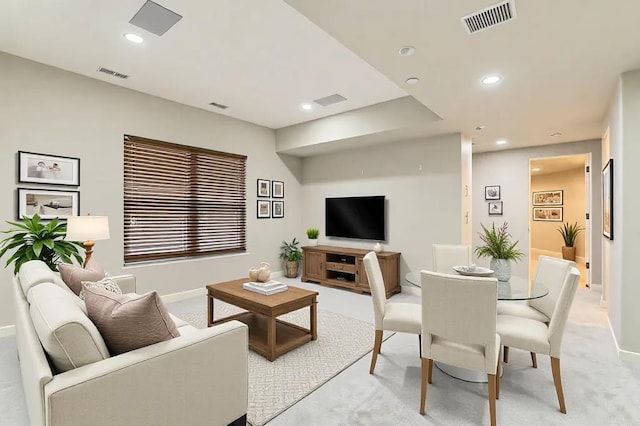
point(547, 214)
point(495, 208)
point(48, 203)
point(607, 200)
point(277, 208)
point(492, 192)
point(277, 189)
point(547, 198)
point(264, 209)
point(49, 169)
point(264, 186)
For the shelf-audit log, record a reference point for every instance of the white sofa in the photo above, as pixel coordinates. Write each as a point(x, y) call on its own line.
point(198, 378)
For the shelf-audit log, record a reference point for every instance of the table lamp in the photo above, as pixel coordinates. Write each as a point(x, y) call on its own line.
point(87, 229)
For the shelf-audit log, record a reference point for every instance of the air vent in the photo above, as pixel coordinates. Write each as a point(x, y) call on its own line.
point(113, 73)
point(217, 105)
point(330, 100)
point(155, 18)
point(490, 16)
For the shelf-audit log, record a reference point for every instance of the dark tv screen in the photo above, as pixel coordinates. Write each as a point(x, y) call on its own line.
point(355, 217)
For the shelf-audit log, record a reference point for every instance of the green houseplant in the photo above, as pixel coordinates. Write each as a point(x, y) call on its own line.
point(291, 255)
point(34, 240)
point(569, 232)
point(499, 247)
point(312, 234)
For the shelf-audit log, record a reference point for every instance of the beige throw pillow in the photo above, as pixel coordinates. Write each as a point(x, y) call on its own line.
point(129, 321)
point(107, 283)
point(73, 275)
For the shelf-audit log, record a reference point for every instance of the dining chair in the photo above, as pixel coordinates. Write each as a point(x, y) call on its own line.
point(550, 273)
point(459, 328)
point(540, 337)
point(391, 316)
point(445, 257)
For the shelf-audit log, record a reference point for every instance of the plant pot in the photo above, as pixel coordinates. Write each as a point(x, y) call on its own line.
point(501, 269)
point(313, 241)
point(569, 253)
point(291, 269)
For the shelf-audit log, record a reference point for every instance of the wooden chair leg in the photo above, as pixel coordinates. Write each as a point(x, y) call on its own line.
point(492, 398)
point(423, 383)
point(506, 354)
point(498, 378)
point(376, 350)
point(430, 373)
point(420, 344)
point(534, 360)
point(555, 370)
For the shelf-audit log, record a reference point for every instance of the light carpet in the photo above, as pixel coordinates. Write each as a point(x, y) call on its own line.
point(276, 386)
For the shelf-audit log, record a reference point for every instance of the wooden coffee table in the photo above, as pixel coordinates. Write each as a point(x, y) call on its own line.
point(268, 336)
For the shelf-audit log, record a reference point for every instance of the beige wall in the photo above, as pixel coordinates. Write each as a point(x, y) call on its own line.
point(545, 235)
point(48, 110)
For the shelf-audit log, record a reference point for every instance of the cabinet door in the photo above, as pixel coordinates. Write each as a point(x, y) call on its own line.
point(313, 265)
point(362, 280)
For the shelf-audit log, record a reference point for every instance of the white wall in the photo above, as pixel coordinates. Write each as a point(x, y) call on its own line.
point(420, 179)
point(48, 110)
point(510, 170)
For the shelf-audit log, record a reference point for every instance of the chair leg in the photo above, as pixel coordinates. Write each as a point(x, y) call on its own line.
point(491, 378)
point(376, 350)
point(534, 360)
point(423, 383)
point(555, 370)
point(506, 354)
point(420, 344)
point(498, 378)
point(430, 373)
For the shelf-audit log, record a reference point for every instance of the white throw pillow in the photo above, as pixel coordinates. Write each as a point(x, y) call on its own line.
point(107, 284)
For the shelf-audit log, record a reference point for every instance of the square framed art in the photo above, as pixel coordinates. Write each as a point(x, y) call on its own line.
point(495, 208)
point(264, 188)
point(277, 189)
point(277, 209)
point(264, 209)
point(492, 192)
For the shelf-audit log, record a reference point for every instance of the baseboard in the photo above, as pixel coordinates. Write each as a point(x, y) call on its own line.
point(558, 254)
point(622, 354)
point(7, 330)
point(176, 297)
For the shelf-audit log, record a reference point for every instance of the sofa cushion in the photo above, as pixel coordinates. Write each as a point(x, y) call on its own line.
point(73, 275)
point(34, 272)
point(129, 321)
point(107, 283)
point(68, 336)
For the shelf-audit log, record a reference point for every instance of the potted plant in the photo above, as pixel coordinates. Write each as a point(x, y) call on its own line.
point(569, 234)
point(34, 240)
point(499, 247)
point(312, 234)
point(291, 255)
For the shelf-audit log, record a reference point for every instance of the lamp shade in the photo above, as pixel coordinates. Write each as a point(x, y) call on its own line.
point(87, 228)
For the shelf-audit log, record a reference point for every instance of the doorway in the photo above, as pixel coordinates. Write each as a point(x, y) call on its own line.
point(560, 189)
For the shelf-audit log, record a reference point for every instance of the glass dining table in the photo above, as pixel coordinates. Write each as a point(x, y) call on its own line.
point(516, 289)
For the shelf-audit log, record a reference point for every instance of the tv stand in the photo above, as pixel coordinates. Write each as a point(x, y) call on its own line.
point(344, 268)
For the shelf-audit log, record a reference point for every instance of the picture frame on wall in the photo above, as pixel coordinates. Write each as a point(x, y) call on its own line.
point(277, 189)
point(48, 203)
point(277, 209)
point(264, 188)
point(607, 200)
point(48, 169)
point(492, 192)
point(547, 198)
point(547, 214)
point(264, 209)
point(495, 208)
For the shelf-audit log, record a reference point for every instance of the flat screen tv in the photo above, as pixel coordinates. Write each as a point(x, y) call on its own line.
point(355, 217)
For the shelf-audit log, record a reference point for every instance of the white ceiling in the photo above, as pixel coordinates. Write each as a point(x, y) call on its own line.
point(559, 59)
point(557, 164)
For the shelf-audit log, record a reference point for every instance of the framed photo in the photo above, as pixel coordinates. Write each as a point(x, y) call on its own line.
point(48, 203)
point(492, 192)
point(495, 208)
point(277, 207)
point(49, 169)
point(547, 198)
point(607, 200)
point(264, 209)
point(277, 189)
point(547, 214)
point(264, 186)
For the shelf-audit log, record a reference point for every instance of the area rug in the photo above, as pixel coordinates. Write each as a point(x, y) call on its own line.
point(276, 386)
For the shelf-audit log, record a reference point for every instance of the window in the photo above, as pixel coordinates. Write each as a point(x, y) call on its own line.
point(181, 201)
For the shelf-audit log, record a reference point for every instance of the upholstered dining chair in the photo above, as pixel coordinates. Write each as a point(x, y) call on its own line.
point(540, 337)
point(551, 273)
point(391, 316)
point(459, 328)
point(445, 257)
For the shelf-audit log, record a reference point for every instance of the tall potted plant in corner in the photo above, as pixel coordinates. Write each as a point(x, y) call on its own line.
point(291, 255)
point(569, 234)
point(499, 247)
point(312, 234)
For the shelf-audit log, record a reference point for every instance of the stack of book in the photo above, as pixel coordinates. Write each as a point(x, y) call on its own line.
point(266, 288)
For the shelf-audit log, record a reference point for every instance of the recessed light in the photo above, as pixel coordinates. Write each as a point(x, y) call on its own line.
point(412, 80)
point(553, 135)
point(480, 127)
point(536, 169)
point(491, 79)
point(501, 142)
point(407, 51)
point(306, 107)
point(133, 38)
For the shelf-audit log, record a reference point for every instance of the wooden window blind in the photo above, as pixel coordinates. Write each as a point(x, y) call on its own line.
point(181, 201)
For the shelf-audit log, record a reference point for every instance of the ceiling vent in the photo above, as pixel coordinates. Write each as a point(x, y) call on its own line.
point(490, 16)
point(113, 73)
point(155, 18)
point(330, 100)
point(217, 105)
